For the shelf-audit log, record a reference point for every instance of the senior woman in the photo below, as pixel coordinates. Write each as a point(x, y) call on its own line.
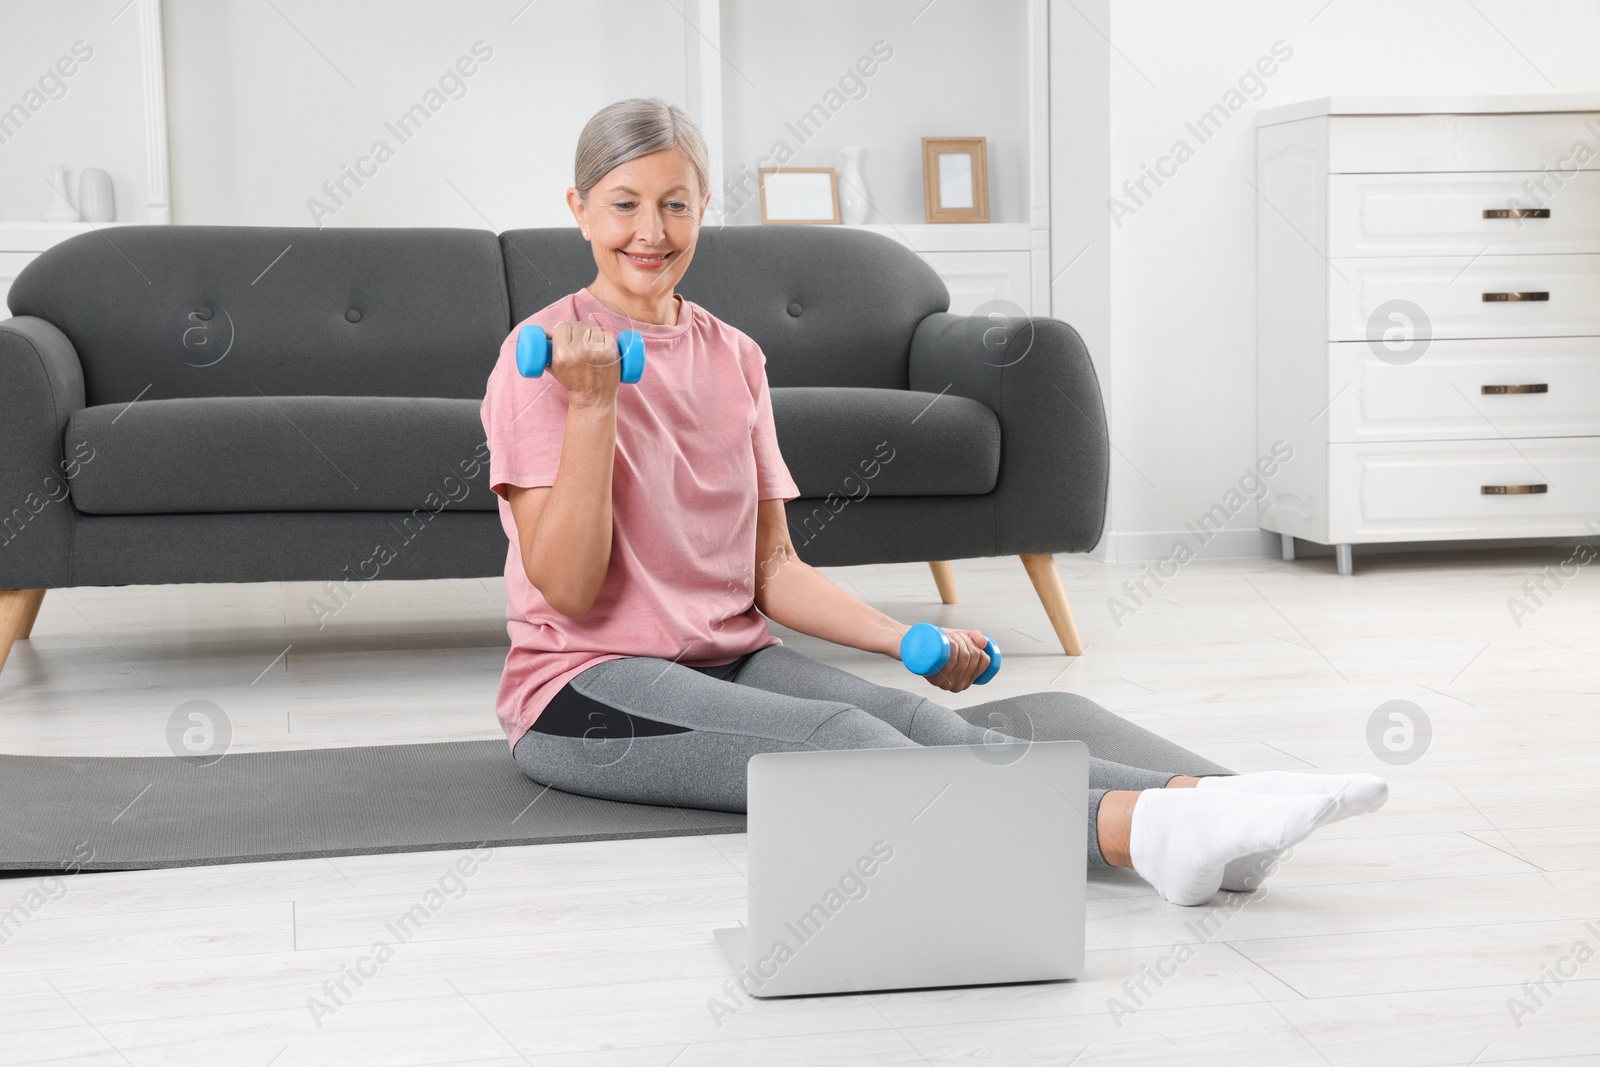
point(648, 549)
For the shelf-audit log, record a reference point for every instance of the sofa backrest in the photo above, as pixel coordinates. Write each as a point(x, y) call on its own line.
point(159, 312)
point(828, 305)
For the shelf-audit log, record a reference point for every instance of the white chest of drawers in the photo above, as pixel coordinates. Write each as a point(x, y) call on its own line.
point(1428, 318)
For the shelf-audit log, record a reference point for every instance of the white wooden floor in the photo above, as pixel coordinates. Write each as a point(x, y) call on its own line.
point(1393, 939)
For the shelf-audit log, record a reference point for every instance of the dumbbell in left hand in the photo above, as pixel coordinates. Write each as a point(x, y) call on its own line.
point(925, 649)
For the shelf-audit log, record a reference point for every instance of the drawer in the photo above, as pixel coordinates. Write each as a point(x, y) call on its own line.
point(1440, 396)
point(1462, 214)
point(1389, 144)
point(1450, 293)
point(1427, 490)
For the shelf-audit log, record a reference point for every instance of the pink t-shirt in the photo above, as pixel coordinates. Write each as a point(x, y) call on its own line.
point(696, 448)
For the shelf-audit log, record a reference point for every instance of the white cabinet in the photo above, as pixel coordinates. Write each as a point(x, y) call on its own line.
point(1428, 318)
point(994, 266)
point(983, 279)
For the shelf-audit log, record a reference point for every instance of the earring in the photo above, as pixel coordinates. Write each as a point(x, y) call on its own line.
point(585, 235)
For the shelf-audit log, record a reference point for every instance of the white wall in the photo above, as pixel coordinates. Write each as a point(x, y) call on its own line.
point(1178, 364)
point(1080, 228)
point(957, 68)
point(92, 118)
point(269, 101)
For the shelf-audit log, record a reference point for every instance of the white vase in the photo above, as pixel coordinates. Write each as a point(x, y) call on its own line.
point(96, 198)
point(60, 209)
point(853, 204)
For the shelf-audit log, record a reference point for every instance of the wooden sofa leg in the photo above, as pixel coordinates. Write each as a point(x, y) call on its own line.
point(18, 609)
point(1047, 583)
point(945, 579)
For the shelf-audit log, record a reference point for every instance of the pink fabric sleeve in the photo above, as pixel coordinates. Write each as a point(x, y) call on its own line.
point(772, 473)
point(525, 420)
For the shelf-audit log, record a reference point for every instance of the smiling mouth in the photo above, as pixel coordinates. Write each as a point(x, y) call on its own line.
point(654, 260)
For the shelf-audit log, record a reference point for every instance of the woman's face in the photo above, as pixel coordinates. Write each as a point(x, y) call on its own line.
point(643, 218)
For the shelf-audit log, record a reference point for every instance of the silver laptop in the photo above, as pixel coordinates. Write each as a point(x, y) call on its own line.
point(905, 868)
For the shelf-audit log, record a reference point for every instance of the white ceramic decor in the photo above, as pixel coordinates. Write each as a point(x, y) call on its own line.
point(60, 208)
point(854, 207)
point(96, 198)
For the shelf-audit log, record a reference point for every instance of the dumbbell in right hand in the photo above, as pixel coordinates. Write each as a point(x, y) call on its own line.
point(925, 649)
point(534, 353)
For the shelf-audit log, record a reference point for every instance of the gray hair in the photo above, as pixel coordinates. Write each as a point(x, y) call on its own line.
point(632, 128)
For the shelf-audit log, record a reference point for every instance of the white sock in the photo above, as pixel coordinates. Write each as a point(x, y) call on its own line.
point(1247, 873)
point(1181, 840)
point(1354, 794)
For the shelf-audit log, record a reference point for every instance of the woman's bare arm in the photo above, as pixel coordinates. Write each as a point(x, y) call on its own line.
point(564, 530)
point(792, 593)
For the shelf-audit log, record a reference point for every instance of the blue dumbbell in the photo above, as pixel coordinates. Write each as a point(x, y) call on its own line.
point(925, 649)
point(533, 352)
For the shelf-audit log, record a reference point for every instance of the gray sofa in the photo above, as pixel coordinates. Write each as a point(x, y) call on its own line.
point(246, 404)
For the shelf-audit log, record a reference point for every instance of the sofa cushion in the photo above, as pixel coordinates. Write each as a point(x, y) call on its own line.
point(280, 453)
point(886, 442)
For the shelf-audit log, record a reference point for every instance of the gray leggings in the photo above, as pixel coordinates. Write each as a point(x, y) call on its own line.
point(689, 731)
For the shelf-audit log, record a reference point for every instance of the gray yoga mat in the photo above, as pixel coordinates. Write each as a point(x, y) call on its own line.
point(70, 813)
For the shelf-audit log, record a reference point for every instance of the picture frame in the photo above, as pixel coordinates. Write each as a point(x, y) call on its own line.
point(955, 179)
point(799, 196)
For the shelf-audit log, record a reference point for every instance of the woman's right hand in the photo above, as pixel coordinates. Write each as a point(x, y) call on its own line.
point(584, 360)
point(967, 660)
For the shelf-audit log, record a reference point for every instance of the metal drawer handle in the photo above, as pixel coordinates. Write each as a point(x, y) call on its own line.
point(1495, 298)
point(1501, 390)
point(1514, 490)
point(1516, 212)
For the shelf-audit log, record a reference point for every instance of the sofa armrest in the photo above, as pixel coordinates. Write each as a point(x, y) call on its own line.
point(1035, 374)
point(41, 385)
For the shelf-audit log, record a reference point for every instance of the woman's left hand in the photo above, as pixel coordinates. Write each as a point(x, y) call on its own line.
point(967, 660)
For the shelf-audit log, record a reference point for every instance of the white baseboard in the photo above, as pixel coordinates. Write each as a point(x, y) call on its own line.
point(1140, 546)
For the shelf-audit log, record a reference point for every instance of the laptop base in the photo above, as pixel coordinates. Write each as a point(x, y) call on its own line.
point(732, 941)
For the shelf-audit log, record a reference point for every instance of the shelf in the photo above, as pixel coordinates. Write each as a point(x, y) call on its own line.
point(956, 236)
point(38, 236)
